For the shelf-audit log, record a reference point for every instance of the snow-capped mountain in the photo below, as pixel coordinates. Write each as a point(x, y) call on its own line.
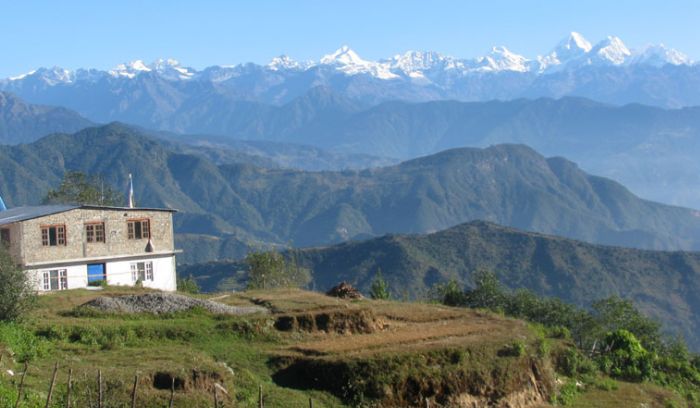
point(609, 51)
point(660, 55)
point(570, 48)
point(167, 68)
point(156, 94)
point(347, 61)
point(571, 52)
point(502, 59)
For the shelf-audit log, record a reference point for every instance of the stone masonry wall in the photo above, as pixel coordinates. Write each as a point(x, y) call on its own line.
point(116, 239)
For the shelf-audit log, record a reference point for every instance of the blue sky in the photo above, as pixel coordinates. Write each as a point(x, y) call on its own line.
point(101, 34)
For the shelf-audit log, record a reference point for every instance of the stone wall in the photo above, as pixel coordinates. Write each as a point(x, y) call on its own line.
point(116, 239)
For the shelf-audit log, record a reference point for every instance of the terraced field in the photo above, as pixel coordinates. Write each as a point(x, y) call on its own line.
point(333, 351)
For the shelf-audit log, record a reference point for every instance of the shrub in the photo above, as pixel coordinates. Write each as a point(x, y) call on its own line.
point(16, 293)
point(22, 342)
point(515, 349)
point(567, 393)
point(267, 270)
point(625, 357)
point(188, 285)
point(379, 288)
point(449, 293)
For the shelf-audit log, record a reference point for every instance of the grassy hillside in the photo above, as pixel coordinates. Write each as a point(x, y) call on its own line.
point(336, 352)
point(662, 284)
point(508, 184)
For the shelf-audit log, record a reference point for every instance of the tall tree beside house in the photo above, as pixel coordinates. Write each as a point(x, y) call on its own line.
point(16, 292)
point(80, 188)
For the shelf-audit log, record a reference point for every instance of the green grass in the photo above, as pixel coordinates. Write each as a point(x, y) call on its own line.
point(420, 349)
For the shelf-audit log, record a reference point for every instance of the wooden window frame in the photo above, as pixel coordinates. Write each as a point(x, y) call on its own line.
point(46, 235)
point(93, 237)
point(144, 228)
point(61, 279)
point(142, 274)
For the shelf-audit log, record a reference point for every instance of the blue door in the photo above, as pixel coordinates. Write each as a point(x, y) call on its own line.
point(96, 272)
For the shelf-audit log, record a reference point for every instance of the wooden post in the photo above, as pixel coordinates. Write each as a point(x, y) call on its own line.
point(133, 391)
point(99, 388)
point(21, 384)
point(311, 403)
point(53, 382)
point(172, 393)
point(70, 387)
point(260, 398)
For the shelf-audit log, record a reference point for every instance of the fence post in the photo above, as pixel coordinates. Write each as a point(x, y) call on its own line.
point(99, 388)
point(70, 387)
point(53, 382)
point(133, 391)
point(260, 398)
point(172, 393)
point(311, 403)
point(21, 384)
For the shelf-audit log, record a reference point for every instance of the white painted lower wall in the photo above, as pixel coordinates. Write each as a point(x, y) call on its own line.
point(118, 273)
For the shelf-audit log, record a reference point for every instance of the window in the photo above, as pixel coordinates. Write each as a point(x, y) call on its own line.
point(53, 235)
point(56, 279)
point(139, 229)
point(142, 271)
point(5, 237)
point(95, 232)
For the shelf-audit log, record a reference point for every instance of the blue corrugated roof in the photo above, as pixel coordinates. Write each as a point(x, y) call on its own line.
point(27, 213)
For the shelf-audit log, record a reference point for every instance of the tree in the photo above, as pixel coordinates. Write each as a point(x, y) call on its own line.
point(615, 313)
point(449, 293)
point(267, 270)
point(488, 292)
point(379, 288)
point(17, 295)
point(80, 188)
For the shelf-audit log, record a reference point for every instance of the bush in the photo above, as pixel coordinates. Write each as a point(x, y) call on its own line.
point(17, 295)
point(625, 357)
point(23, 343)
point(567, 393)
point(267, 270)
point(188, 285)
point(379, 288)
point(572, 363)
point(449, 294)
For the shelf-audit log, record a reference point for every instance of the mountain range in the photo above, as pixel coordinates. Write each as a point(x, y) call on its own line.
point(234, 205)
point(662, 284)
point(651, 150)
point(151, 94)
point(22, 122)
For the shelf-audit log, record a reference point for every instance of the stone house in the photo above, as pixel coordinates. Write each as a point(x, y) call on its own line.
point(76, 246)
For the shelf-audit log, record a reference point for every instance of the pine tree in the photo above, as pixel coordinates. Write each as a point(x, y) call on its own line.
point(379, 288)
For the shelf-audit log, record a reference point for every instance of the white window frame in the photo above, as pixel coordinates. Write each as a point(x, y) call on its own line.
point(142, 271)
point(61, 279)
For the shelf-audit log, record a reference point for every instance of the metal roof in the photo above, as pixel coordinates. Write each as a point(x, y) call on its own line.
point(18, 214)
point(27, 213)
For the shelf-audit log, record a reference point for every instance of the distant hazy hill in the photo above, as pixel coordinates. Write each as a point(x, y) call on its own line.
point(21, 122)
point(507, 184)
point(651, 150)
point(663, 284)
